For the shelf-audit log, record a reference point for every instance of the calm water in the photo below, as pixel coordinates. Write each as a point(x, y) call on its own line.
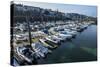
point(81, 48)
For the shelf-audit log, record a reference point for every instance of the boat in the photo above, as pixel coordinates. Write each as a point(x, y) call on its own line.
point(78, 29)
point(43, 41)
point(40, 49)
point(53, 40)
point(73, 33)
point(57, 37)
point(61, 37)
point(15, 61)
point(26, 53)
point(63, 34)
point(21, 37)
point(84, 26)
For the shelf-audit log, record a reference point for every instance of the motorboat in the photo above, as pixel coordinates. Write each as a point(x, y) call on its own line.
point(61, 37)
point(66, 35)
point(26, 53)
point(71, 32)
point(40, 49)
point(53, 39)
point(43, 41)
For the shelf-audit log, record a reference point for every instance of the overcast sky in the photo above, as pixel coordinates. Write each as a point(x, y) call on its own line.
point(66, 8)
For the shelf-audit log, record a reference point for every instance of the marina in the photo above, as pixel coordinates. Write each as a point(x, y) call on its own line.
point(46, 36)
point(44, 45)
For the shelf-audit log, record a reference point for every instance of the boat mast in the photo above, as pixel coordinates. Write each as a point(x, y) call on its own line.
point(29, 30)
point(28, 23)
point(80, 19)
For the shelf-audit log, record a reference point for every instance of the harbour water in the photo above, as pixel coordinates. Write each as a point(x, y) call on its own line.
point(81, 48)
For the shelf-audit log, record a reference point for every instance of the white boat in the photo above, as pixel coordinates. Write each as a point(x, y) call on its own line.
point(78, 29)
point(25, 53)
point(21, 37)
point(61, 37)
point(71, 32)
point(55, 36)
point(53, 39)
point(44, 43)
point(85, 26)
point(65, 35)
point(40, 49)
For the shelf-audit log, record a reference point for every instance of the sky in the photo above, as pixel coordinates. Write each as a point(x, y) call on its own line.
point(66, 8)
